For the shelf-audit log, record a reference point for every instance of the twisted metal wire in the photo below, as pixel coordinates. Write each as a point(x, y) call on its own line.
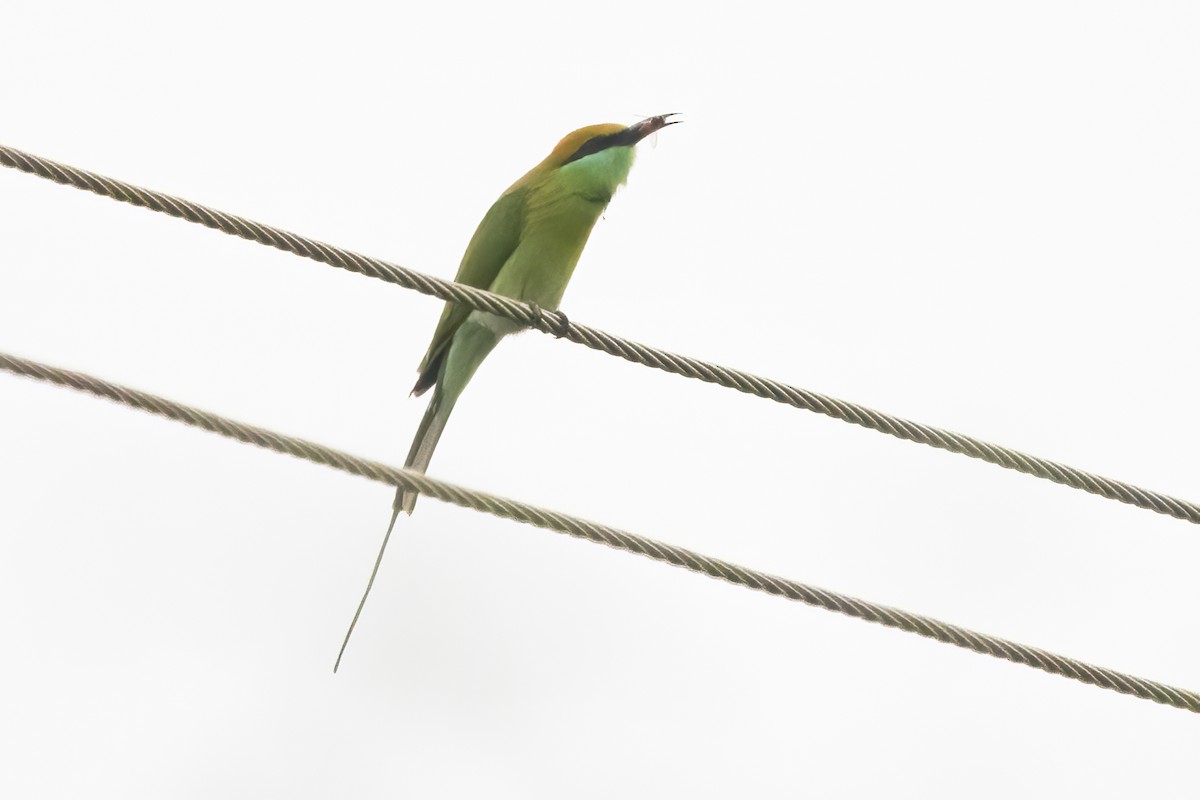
point(602, 534)
point(557, 324)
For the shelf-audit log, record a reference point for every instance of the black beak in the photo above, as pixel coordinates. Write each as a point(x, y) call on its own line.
point(640, 130)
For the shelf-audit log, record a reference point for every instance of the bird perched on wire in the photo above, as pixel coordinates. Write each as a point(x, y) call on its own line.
point(526, 247)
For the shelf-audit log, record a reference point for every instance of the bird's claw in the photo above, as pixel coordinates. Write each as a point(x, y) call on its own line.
point(563, 327)
point(538, 317)
point(555, 321)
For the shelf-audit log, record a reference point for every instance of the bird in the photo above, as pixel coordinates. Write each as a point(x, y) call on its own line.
point(526, 247)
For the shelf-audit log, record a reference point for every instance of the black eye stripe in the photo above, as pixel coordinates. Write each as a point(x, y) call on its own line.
point(593, 145)
point(598, 143)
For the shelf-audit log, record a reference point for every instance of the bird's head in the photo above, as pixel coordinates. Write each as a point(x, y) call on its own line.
point(594, 139)
point(597, 154)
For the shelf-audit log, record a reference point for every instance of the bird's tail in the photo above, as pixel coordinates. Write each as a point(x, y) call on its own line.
point(424, 442)
point(428, 433)
point(472, 344)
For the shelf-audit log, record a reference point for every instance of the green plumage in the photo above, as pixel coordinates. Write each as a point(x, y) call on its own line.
point(526, 247)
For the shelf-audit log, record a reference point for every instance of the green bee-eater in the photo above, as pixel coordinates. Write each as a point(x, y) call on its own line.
point(526, 247)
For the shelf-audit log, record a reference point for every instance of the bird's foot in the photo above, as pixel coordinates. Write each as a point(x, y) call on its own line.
point(563, 326)
point(556, 321)
point(538, 317)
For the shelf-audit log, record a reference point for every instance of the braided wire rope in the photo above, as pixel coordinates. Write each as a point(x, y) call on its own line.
point(557, 324)
point(602, 534)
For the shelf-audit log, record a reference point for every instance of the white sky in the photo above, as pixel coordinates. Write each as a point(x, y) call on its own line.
point(978, 217)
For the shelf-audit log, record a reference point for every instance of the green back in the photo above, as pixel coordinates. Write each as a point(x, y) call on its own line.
point(494, 241)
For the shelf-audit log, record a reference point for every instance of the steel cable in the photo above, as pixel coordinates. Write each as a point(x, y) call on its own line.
point(602, 534)
point(557, 324)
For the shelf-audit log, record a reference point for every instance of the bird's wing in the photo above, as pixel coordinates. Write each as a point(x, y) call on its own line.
point(494, 241)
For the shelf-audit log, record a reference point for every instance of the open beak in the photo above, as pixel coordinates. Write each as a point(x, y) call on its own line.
point(640, 130)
